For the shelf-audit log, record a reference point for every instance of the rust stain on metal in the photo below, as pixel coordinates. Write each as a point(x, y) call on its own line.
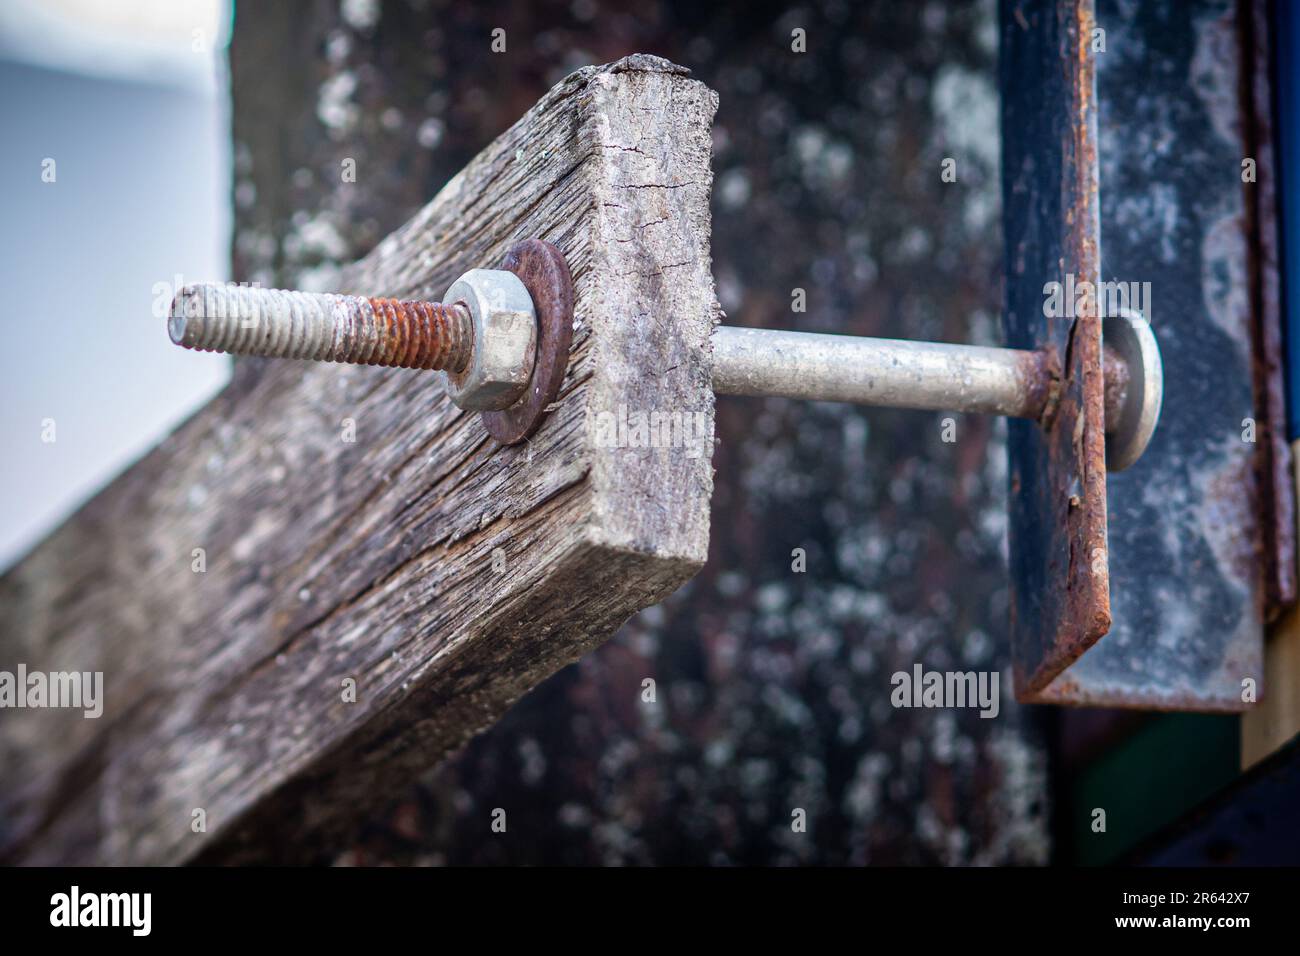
point(427, 335)
point(1276, 492)
point(1087, 615)
point(1058, 548)
point(1232, 525)
point(1040, 375)
point(1075, 490)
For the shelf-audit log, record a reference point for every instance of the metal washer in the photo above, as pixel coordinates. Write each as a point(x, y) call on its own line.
point(1130, 335)
point(545, 274)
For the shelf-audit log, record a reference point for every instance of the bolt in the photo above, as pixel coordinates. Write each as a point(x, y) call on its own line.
point(493, 330)
point(323, 327)
point(908, 374)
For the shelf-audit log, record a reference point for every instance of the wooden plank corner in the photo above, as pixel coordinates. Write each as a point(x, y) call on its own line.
point(320, 524)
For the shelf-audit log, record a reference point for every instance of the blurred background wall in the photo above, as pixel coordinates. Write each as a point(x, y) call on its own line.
point(115, 163)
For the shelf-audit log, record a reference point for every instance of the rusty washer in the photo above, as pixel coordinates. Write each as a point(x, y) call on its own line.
point(545, 274)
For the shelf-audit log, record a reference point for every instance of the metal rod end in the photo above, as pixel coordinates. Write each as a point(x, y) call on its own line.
point(1127, 437)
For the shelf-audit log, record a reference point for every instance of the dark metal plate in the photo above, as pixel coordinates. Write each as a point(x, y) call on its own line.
point(1060, 602)
point(1197, 524)
point(545, 274)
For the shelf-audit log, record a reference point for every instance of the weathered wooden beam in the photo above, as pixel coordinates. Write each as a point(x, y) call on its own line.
point(353, 524)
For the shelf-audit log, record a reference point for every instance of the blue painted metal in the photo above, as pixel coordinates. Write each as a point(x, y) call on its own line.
point(1287, 68)
point(1198, 540)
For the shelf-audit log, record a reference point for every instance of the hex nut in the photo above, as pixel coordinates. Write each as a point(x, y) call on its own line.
point(505, 336)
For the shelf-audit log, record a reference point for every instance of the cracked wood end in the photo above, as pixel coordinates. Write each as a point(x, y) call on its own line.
point(444, 574)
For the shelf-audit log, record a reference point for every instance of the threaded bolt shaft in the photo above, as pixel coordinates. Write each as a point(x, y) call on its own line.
point(322, 327)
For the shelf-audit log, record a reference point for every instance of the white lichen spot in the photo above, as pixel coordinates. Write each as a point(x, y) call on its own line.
point(255, 246)
point(429, 135)
point(334, 106)
point(965, 106)
point(733, 188)
point(360, 14)
point(533, 762)
point(822, 160)
point(1020, 774)
point(338, 44)
point(245, 194)
point(314, 238)
point(862, 796)
point(243, 159)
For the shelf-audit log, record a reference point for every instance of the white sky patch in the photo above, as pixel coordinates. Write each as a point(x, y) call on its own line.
point(161, 42)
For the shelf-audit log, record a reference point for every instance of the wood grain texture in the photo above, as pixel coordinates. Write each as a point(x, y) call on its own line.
point(373, 559)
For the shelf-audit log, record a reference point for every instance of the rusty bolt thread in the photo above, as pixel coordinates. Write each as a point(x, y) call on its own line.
point(322, 327)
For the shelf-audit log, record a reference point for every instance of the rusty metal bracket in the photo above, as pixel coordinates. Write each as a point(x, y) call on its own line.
point(1198, 535)
point(1060, 572)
